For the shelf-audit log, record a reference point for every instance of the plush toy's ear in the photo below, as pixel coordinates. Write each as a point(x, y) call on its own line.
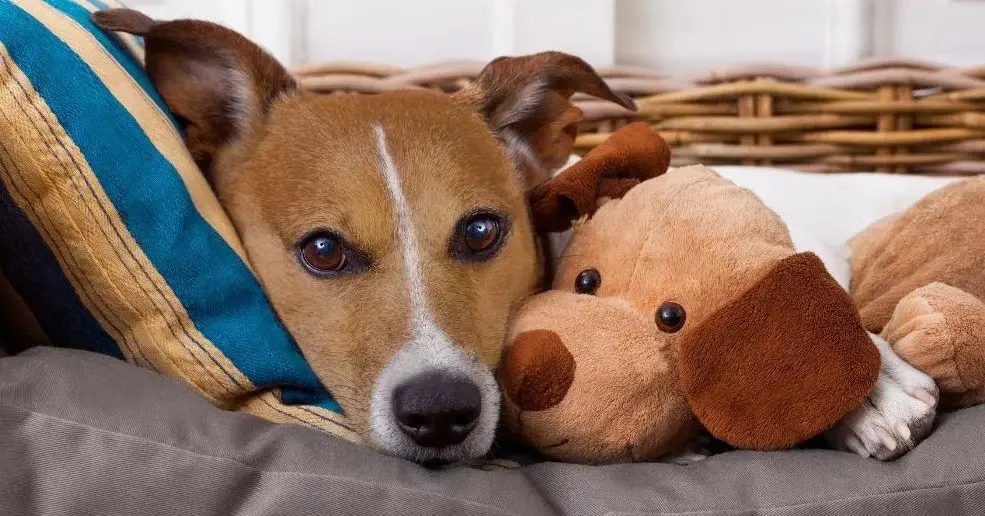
point(633, 154)
point(217, 82)
point(526, 101)
point(782, 363)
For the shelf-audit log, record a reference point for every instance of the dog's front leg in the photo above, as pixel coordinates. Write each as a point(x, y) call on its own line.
point(897, 415)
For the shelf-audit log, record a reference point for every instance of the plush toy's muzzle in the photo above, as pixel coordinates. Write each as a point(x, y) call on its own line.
point(576, 400)
point(538, 370)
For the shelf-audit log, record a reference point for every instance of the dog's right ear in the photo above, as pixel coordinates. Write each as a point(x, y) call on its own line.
point(632, 155)
point(526, 102)
point(218, 83)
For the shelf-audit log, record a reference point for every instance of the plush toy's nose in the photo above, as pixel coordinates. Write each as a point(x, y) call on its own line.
point(537, 370)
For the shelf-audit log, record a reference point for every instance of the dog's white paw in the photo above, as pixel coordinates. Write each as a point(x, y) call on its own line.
point(897, 415)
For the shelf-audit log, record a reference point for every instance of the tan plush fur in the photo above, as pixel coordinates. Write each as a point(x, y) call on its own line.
point(696, 239)
point(606, 414)
point(939, 239)
point(772, 350)
point(941, 330)
point(919, 278)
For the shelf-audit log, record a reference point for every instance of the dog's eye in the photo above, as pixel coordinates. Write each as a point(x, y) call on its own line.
point(481, 233)
point(670, 317)
point(479, 236)
point(323, 253)
point(588, 281)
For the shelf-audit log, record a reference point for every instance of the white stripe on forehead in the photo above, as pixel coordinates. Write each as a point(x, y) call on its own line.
point(429, 348)
point(422, 319)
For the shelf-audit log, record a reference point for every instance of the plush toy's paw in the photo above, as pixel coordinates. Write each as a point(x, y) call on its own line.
point(940, 330)
point(897, 415)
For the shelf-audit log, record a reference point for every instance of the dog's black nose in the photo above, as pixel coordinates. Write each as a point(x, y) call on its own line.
point(436, 409)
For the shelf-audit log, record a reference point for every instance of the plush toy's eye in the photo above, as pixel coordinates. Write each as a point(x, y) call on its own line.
point(588, 281)
point(670, 317)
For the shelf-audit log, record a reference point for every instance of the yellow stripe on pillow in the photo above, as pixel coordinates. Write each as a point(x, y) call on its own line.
point(268, 406)
point(122, 248)
point(132, 42)
point(53, 184)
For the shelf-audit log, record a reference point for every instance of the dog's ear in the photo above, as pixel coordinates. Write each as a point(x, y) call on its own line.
point(526, 101)
point(633, 154)
point(781, 363)
point(218, 83)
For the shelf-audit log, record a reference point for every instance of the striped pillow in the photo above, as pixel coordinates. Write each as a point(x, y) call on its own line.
point(110, 238)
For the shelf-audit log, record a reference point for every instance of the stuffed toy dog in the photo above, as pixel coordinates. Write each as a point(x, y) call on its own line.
point(681, 304)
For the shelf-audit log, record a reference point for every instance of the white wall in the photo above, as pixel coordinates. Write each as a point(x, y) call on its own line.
point(235, 14)
point(700, 34)
point(696, 35)
point(674, 36)
point(408, 33)
point(935, 30)
point(405, 32)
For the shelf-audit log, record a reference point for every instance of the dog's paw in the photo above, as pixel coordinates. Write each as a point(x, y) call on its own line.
point(897, 415)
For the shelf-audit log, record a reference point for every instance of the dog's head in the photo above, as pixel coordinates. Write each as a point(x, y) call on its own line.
point(679, 301)
point(391, 232)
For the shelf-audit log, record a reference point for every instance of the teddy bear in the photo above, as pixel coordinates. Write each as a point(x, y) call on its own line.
point(680, 307)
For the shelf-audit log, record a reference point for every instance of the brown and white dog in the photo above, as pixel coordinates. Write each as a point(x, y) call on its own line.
point(391, 232)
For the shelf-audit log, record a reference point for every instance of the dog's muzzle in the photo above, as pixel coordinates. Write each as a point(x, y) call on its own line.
point(434, 402)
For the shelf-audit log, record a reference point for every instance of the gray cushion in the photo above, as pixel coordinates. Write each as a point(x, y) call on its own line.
point(86, 434)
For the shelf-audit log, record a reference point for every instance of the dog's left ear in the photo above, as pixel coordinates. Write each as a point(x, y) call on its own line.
point(781, 363)
point(526, 101)
point(217, 82)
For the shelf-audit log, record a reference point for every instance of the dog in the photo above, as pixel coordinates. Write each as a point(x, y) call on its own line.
point(390, 232)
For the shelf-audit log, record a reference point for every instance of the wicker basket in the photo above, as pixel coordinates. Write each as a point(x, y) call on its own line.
point(888, 116)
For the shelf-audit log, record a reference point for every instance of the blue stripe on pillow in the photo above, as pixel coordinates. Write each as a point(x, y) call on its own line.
point(222, 297)
point(34, 273)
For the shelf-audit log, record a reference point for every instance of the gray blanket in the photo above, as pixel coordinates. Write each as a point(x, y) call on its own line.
point(85, 434)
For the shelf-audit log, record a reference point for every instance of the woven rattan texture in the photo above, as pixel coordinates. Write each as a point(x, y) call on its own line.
point(888, 116)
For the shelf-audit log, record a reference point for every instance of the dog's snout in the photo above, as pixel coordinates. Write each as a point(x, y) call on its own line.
point(537, 370)
point(436, 409)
